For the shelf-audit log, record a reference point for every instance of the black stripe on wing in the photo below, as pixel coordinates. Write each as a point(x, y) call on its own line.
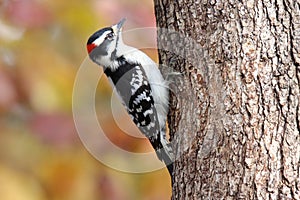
point(133, 87)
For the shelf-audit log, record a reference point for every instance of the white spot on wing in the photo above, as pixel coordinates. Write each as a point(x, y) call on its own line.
point(141, 97)
point(148, 112)
point(151, 125)
point(137, 79)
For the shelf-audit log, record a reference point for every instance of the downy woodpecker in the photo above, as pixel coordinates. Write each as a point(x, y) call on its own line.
point(139, 83)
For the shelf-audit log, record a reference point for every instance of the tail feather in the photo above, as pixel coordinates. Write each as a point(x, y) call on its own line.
point(165, 154)
point(164, 150)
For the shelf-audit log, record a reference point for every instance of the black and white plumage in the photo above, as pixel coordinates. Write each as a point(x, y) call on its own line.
point(139, 83)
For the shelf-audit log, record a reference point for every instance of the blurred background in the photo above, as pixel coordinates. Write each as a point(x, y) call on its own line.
point(42, 45)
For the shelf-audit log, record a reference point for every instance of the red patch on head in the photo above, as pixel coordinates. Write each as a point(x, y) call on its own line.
point(90, 47)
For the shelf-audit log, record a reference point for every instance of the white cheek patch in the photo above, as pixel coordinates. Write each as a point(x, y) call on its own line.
point(99, 40)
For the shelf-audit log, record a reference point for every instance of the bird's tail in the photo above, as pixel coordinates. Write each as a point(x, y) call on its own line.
point(166, 155)
point(163, 149)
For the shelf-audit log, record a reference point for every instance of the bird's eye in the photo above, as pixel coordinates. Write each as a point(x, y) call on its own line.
point(110, 36)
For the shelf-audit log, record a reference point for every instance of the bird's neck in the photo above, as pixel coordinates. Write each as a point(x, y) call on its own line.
point(120, 57)
point(121, 71)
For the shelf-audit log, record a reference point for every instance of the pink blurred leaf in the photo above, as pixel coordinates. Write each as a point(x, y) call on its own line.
point(28, 13)
point(54, 128)
point(8, 94)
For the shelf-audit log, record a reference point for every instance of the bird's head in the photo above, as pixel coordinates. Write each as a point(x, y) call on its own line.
point(104, 45)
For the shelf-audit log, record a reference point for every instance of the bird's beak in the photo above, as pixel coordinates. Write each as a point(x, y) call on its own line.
point(118, 27)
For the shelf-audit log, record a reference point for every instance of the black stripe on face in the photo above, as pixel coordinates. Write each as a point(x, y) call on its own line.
point(99, 39)
point(98, 34)
point(100, 50)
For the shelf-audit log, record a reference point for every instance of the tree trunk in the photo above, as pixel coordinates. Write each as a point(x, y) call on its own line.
point(234, 118)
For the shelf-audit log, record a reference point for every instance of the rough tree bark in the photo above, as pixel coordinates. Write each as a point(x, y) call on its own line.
point(237, 127)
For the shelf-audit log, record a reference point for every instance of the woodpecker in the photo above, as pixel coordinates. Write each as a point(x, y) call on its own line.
point(139, 84)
